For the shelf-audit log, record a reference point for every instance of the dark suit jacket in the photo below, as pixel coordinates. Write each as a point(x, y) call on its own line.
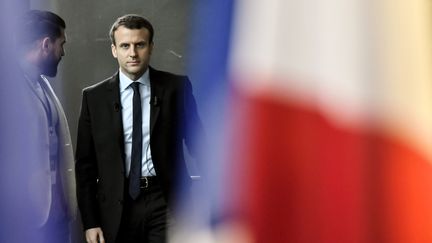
point(100, 165)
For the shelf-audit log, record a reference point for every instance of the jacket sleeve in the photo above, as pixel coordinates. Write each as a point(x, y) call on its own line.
point(86, 168)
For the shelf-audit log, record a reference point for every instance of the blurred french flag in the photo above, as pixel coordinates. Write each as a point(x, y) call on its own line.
point(318, 117)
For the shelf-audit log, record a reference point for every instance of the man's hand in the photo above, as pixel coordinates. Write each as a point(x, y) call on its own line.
point(94, 235)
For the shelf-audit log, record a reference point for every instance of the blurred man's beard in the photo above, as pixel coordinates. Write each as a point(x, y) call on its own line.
point(49, 67)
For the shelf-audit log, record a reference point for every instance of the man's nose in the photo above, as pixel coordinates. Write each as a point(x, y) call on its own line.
point(132, 51)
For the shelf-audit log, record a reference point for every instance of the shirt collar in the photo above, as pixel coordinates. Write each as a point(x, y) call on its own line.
point(125, 82)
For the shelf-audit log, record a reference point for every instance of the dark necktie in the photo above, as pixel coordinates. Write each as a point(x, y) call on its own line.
point(135, 168)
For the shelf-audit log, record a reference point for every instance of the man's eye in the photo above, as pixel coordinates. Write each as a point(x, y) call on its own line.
point(124, 46)
point(141, 45)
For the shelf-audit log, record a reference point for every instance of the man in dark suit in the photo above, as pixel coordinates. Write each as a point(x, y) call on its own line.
point(131, 132)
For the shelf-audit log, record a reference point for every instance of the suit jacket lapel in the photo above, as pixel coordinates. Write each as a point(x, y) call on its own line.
point(113, 89)
point(156, 97)
point(66, 158)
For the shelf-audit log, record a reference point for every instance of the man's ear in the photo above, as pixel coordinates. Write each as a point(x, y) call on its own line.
point(46, 44)
point(114, 50)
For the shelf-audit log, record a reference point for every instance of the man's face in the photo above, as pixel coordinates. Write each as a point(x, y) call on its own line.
point(132, 50)
point(53, 56)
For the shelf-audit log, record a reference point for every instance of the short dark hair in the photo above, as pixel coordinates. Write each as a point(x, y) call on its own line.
point(131, 21)
point(37, 24)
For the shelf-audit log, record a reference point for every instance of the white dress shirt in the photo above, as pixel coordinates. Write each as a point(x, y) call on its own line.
point(126, 99)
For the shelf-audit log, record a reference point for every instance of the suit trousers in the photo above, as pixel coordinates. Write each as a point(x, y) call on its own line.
point(145, 219)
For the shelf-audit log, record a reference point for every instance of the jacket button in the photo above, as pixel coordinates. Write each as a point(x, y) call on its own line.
point(120, 202)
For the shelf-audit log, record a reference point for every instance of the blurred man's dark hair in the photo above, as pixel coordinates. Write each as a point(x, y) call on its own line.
point(37, 24)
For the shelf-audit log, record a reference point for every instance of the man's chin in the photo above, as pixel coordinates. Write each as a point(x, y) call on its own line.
point(50, 67)
point(139, 67)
